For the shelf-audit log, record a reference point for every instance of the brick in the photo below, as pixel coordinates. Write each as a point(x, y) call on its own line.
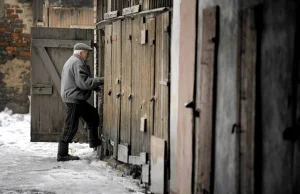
point(10, 48)
point(23, 49)
point(2, 29)
point(17, 44)
point(10, 11)
point(9, 30)
point(16, 25)
point(6, 34)
point(3, 44)
point(19, 11)
point(25, 35)
point(11, 53)
point(15, 35)
point(9, 39)
point(3, 25)
point(23, 57)
point(24, 53)
point(9, 20)
point(18, 20)
point(18, 30)
point(14, 16)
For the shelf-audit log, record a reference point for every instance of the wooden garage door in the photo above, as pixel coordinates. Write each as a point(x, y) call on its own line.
point(50, 48)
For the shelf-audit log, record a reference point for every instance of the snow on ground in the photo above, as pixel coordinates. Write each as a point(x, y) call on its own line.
point(31, 168)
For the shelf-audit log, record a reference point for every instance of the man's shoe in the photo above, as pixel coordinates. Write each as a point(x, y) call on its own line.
point(66, 158)
point(63, 153)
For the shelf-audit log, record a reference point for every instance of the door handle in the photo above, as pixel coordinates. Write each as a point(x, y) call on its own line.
point(189, 104)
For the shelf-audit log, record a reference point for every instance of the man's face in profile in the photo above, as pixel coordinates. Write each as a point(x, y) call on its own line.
point(84, 55)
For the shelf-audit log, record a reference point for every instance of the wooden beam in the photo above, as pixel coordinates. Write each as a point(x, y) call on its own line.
point(58, 43)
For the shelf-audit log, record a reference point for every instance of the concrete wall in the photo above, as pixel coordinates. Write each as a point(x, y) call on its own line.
point(15, 26)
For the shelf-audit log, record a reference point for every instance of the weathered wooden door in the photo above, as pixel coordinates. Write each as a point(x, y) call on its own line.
point(205, 102)
point(51, 47)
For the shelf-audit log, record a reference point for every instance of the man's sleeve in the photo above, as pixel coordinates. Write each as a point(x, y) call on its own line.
point(82, 79)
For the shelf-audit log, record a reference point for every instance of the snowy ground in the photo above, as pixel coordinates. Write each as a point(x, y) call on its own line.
point(31, 168)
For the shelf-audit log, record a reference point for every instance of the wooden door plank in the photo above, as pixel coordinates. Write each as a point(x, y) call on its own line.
point(49, 66)
point(136, 81)
point(107, 104)
point(125, 126)
point(158, 153)
point(165, 90)
point(58, 43)
point(206, 125)
point(158, 132)
point(145, 89)
point(145, 5)
point(116, 87)
point(151, 59)
point(247, 54)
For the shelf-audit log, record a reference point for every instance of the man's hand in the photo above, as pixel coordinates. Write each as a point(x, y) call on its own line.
point(98, 89)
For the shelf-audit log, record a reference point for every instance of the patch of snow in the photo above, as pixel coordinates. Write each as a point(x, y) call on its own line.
point(31, 167)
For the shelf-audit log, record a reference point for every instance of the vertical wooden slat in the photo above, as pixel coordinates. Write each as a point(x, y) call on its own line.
point(107, 104)
point(158, 68)
point(125, 126)
point(116, 87)
point(136, 81)
point(207, 87)
point(158, 175)
point(165, 76)
point(247, 52)
point(100, 13)
point(151, 58)
point(145, 5)
point(144, 89)
point(105, 7)
point(161, 128)
point(109, 6)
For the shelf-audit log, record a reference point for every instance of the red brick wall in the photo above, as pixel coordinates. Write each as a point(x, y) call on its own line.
point(15, 55)
point(14, 43)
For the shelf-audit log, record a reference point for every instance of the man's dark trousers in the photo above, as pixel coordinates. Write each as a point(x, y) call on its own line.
point(89, 115)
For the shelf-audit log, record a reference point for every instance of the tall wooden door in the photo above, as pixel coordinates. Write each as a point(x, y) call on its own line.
point(206, 103)
point(51, 47)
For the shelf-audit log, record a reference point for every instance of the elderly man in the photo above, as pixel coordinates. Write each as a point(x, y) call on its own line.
point(77, 84)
